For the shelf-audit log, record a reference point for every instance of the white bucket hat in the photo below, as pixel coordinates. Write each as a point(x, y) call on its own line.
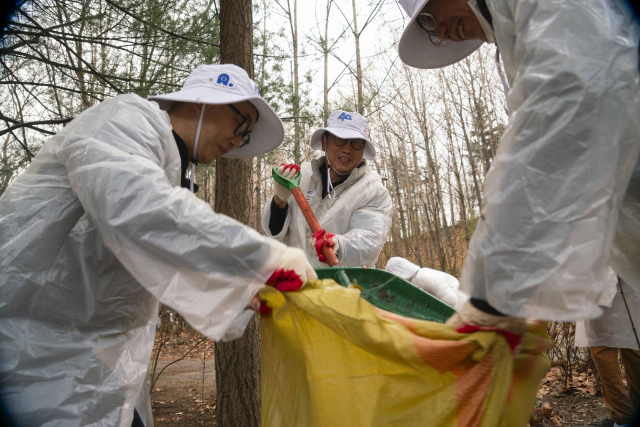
point(346, 125)
point(229, 84)
point(416, 49)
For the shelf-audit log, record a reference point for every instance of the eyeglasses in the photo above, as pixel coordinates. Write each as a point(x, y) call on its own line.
point(356, 144)
point(427, 22)
point(243, 128)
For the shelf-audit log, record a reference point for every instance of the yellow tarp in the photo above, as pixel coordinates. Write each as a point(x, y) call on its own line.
point(329, 358)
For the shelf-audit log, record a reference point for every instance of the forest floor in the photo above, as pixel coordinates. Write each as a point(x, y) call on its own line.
point(578, 403)
point(185, 393)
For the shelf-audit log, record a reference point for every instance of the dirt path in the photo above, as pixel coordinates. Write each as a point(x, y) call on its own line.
point(177, 396)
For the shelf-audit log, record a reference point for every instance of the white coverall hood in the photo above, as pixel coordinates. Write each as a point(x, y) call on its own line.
point(93, 235)
point(359, 215)
point(556, 185)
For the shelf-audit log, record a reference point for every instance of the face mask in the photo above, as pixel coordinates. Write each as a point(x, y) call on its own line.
point(194, 161)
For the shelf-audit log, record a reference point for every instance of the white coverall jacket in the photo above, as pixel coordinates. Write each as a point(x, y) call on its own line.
point(552, 195)
point(92, 235)
point(612, 329)
point(441, 285)
point(359, 215)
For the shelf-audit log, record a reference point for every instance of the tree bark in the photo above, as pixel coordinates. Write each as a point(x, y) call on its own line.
point(325, 104)
point(237, 362)
point(293, 24)
point(356, 36)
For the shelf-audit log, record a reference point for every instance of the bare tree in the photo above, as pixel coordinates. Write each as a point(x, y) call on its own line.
point(59, 57)
point(237, 362)
point(292, 16)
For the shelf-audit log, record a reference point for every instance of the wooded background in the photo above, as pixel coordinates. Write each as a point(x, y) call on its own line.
point(436, 131)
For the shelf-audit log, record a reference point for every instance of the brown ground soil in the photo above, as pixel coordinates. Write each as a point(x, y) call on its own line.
point(178, 394)
point(576, 404)
point(177, 397)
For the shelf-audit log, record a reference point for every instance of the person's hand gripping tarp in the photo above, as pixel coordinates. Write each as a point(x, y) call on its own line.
point(321, 238)
point(292, 274)
point(288, 171)
point(470, 319)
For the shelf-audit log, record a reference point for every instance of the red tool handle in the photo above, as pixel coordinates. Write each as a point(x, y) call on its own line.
point(328, 253)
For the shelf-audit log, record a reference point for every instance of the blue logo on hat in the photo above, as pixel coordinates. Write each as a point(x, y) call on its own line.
point(344, 116)
point(255, 89)
point(223, 79)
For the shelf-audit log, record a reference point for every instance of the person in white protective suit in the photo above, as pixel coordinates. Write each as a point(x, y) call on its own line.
point(611, 336)
point(97, 231)
point(346, 195)
point(557, 182)
point(441, 285)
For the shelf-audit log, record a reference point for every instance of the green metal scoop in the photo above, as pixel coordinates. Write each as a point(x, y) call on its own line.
point(389, 292)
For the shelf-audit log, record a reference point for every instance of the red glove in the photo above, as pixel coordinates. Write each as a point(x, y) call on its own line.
point(289, 171)
point(286, 166)
point(291, 274)
point(469, 319)
point(284, 281)
point(512, 338)
point(321, 238)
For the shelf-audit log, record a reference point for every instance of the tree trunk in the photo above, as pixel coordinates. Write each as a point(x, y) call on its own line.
point(356, 35)
point(296, 84)
point(325, 104)
point(237, 362)
point(472, 162)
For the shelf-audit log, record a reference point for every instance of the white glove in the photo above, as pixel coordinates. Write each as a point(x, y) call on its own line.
point(289, 171)
point(291, 275)
point(293, 272)
point(469, 319)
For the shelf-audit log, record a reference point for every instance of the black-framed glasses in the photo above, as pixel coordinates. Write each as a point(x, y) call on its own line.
point(427, 22)
point(356, 144)
point(243, 128)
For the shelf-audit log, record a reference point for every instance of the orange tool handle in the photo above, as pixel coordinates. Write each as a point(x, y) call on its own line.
point(328, 253)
